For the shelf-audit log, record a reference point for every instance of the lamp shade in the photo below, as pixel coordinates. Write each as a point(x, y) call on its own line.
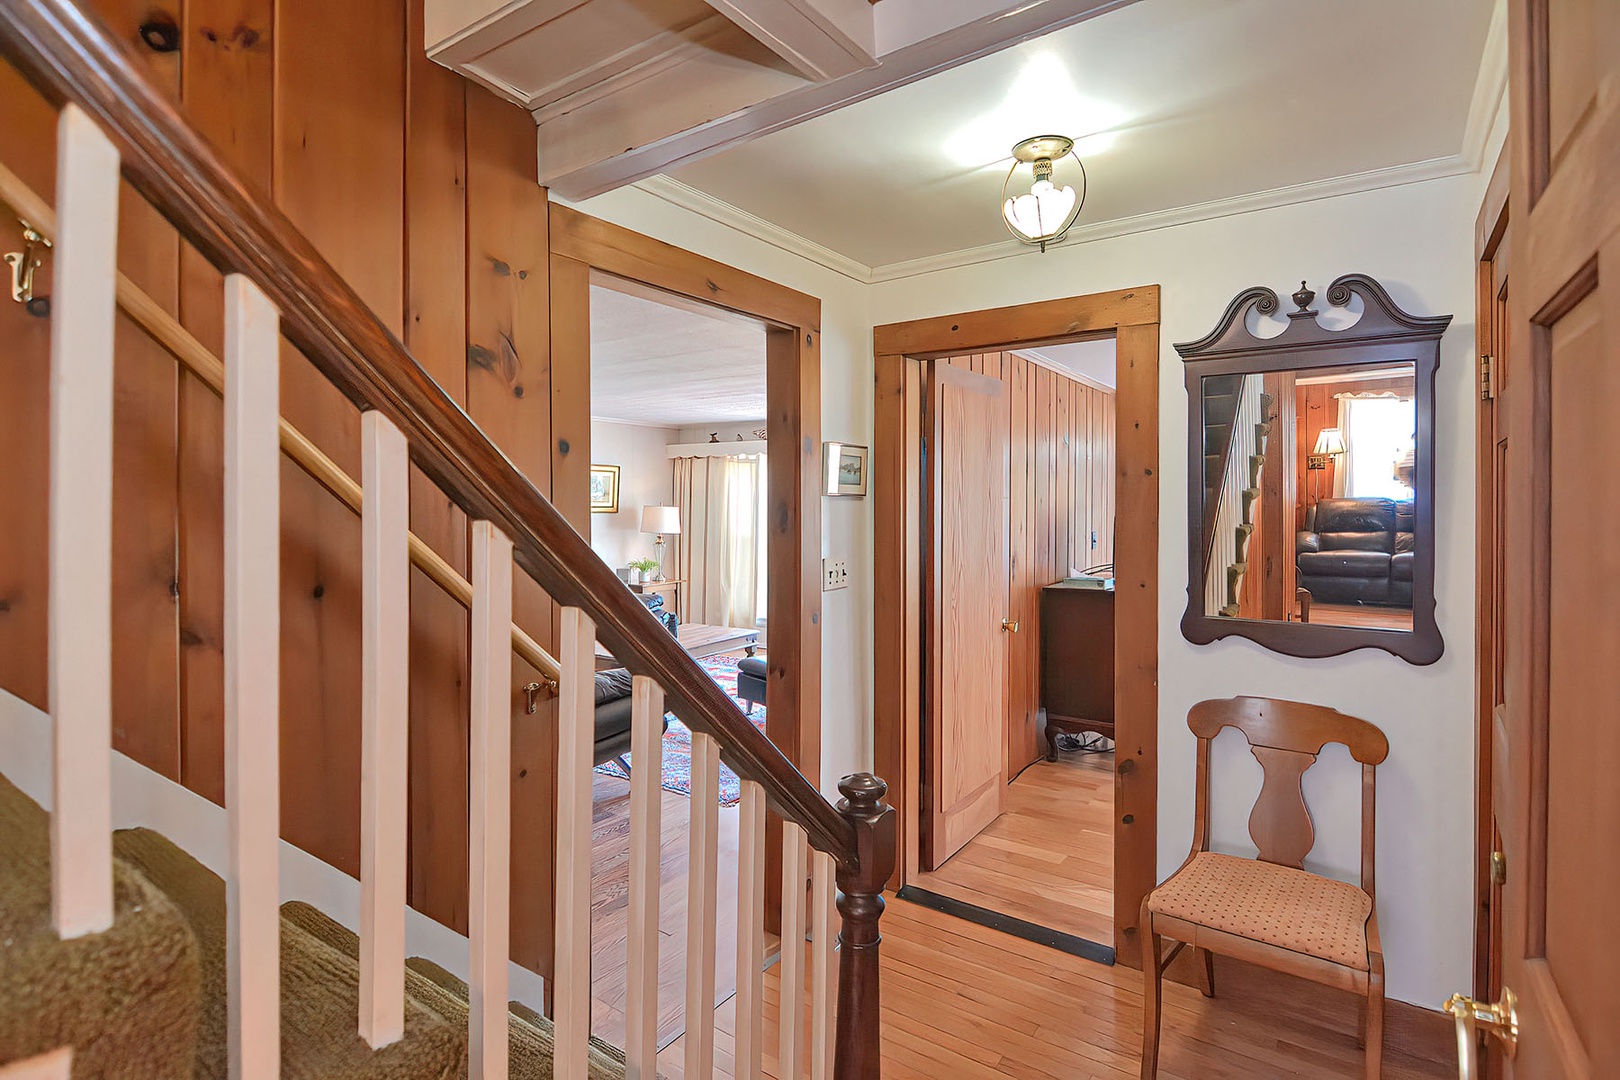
point(661, 519)
point(1329, 441)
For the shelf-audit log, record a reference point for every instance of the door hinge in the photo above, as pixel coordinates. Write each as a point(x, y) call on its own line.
point(1487, 378)
point(1498, 868)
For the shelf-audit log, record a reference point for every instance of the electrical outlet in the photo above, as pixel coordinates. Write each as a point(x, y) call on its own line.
point(834, 574)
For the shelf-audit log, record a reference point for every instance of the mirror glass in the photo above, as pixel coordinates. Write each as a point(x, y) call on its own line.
point(1309, 504)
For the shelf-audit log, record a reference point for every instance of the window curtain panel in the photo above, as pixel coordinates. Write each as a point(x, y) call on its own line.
point(718, 553)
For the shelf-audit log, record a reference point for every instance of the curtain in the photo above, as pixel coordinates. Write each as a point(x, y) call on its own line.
point(717, 552)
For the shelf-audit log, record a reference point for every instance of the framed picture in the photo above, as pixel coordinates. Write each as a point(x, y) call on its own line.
point(845, 468)
point(604, 489)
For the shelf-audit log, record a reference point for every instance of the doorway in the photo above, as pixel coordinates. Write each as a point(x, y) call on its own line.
point(679, 510)
point(1123, 856)
point(1017, 819)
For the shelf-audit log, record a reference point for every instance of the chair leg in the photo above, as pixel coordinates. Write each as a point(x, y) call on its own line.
point(1152, 984)
point(1375, 1018)
point(1209, 973)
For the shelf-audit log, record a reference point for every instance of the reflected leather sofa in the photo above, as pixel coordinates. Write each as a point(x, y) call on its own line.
point(1358, 551)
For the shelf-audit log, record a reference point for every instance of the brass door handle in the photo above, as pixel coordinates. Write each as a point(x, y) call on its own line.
point(1009, 625)
point(1500, 1020)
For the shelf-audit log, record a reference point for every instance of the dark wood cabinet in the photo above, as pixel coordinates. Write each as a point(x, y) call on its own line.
point(1077, 662)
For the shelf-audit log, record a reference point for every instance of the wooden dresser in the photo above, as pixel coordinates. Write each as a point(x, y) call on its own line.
point(1077, 662)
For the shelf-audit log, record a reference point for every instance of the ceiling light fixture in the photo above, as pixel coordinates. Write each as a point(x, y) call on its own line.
point(1043, 214)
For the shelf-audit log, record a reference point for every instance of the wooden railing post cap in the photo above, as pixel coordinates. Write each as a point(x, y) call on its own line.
point(863, 796)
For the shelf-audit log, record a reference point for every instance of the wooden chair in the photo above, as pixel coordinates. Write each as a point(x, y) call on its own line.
point(1270, 911)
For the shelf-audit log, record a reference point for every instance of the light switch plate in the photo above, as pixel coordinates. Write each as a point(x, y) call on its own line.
point(834, 574)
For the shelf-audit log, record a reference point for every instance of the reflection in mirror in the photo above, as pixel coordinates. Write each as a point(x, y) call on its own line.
point(1310, 494)
point(1317, 465)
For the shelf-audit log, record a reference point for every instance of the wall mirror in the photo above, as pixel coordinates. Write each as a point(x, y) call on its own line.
point(1311, 474)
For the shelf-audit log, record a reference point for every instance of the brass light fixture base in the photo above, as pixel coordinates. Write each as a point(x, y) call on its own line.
point(1047, 147)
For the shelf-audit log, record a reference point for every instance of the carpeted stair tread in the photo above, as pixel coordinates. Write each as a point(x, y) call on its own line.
point(530, 1034)
point(319, 988)
point(125, 999)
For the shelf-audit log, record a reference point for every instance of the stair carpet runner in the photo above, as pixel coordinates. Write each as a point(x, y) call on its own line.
point(147, 998)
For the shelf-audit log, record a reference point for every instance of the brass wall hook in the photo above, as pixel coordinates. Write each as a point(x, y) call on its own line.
point(23, 264)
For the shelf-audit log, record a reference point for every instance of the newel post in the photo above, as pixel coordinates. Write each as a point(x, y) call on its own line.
point(859, 1054)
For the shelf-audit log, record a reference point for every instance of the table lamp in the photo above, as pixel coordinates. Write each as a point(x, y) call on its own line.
point(661, 521)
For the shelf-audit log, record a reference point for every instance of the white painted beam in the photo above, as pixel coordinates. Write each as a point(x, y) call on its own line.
point(822, 39)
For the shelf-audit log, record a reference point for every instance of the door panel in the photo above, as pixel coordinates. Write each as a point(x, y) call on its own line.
point(1561, 716)
point(968, 600)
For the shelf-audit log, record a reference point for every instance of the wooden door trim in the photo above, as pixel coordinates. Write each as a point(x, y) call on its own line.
point(581, 244)
point(1132, 315)
point(1490, 229)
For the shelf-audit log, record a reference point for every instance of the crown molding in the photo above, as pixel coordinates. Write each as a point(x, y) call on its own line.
point(705, 205)
point(1040, 359)
point(1490, 89)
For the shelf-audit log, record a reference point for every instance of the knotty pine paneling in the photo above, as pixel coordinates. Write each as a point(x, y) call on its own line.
point(420, 188)
point(1060, 490)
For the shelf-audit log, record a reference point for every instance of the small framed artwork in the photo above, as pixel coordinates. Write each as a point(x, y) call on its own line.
point(845, 467)
point(604, 489)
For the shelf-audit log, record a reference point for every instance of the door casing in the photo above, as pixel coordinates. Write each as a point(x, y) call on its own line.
point(900, 349)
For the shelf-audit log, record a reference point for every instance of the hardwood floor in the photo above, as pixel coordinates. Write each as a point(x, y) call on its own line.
point(1050, 858)
point(964, 1001)
point(1374, 618)
point(610, 895)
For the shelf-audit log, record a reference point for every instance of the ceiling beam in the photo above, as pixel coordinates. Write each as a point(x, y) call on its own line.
point(576, 162)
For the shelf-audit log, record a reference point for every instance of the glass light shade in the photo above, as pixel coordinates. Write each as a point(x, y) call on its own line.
point(1041, 214)
point(661, 519)
point(1329, 441)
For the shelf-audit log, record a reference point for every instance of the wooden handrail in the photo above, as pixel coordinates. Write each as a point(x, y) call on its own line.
point(69, 57)
point(195, 357)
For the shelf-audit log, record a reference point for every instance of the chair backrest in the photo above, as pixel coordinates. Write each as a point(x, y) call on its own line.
point(1286, 737)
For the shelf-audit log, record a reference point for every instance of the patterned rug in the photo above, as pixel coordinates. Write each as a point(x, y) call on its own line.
point(678, 740)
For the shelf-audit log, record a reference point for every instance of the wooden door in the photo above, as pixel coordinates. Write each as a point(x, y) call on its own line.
point(1560, 749)
point(967, 460)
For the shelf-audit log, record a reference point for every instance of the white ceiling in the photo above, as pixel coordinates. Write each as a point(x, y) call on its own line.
point(663, 365)
point(1176, 103)
point(1093, 361)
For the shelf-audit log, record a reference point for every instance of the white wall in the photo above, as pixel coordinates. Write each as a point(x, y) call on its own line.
point(846, 415)
point(644, 480)
point(1417, 240)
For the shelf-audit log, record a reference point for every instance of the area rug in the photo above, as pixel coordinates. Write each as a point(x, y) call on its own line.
point(678, 740)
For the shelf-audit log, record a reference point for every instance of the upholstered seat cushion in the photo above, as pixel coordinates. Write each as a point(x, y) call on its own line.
point(1278, 905)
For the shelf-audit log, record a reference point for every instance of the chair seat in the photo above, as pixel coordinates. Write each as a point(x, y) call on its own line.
point(1278, 905)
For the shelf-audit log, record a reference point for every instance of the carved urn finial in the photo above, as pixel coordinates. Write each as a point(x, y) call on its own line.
point(863, 794)
point(1303, 299)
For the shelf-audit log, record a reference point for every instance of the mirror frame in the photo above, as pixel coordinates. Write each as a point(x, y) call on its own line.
point(1383, 335)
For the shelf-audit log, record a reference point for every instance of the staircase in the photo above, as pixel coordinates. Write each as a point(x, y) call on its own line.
point(121, 954)
point(1236, 429)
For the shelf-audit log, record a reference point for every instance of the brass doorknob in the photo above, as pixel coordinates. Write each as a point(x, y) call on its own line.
point(1500, 1020)
point(1009, 625)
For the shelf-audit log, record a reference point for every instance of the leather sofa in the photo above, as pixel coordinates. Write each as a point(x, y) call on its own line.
point(1358, 551)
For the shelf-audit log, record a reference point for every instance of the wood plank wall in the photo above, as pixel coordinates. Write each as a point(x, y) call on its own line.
point(1062, 493)
point(420, 188)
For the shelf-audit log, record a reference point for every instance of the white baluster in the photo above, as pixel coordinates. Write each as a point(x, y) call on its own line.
point(823, 964)
point(384, 727)
point(490, 802)
point(56, 1065)
point(790, 1017)
point(703, 867)
point(646, 803)
point(576, 736)
point(252, 679)
point(748, 1053)
point(80, 585)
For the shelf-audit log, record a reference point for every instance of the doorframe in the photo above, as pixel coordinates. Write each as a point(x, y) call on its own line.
point(900, 349)
point(582, 245)
point(1490, 230)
